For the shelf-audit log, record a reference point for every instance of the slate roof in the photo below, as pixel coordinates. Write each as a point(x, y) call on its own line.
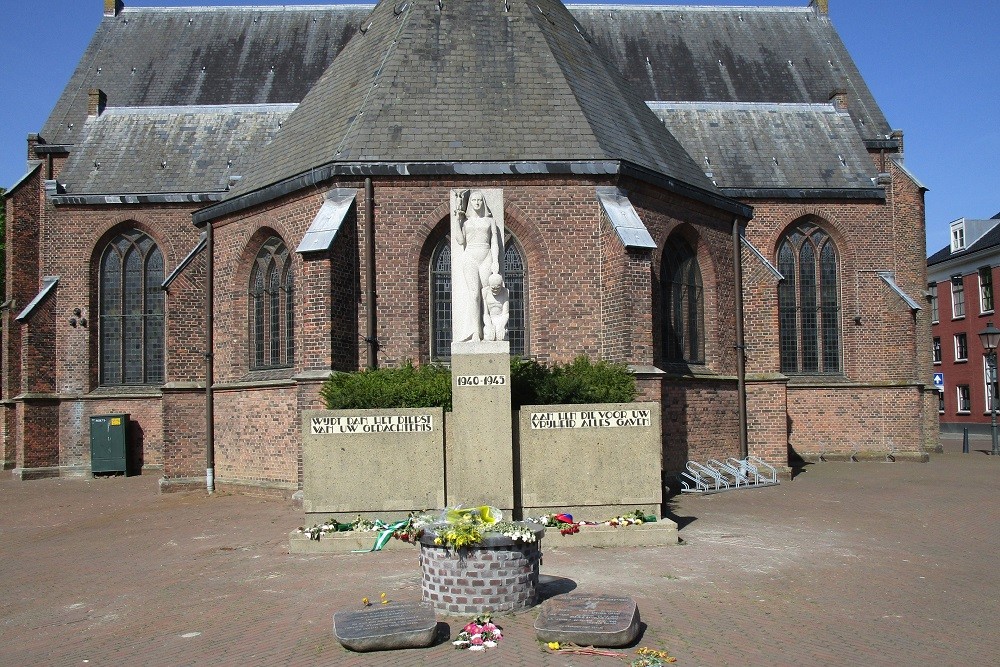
point(151, 57)
point(168, 149)
point(771, 146)
point(472, 82)
point(145, 58)
point(732, 54)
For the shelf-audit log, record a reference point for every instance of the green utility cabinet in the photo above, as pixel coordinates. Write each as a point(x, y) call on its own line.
point(109, 443)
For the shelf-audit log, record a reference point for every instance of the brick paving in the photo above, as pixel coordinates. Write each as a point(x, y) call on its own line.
point(863, 563)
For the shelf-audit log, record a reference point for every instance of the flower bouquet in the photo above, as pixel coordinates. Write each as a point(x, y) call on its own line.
point(479, 635)
point(468, 527)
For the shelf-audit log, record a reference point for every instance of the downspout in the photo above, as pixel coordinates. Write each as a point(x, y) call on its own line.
point(741, 375)
point(209, 359)
point(370, 341)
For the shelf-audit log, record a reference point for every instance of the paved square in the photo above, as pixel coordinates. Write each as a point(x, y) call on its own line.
point(863, 564)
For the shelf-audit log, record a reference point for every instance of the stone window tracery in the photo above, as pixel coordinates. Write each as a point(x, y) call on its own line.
point(272, 339)
point(683, 306)
point(130, 328)
point(808, 301)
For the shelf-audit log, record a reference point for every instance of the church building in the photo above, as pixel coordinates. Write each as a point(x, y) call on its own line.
point(227, 204)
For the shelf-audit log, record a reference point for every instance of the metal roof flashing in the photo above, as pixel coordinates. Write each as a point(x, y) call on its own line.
point(888, 278)
point(323, 230)
point(623, 217)
point(48, 283)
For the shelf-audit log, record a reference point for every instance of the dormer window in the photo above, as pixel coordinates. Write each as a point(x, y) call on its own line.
point(958, 236)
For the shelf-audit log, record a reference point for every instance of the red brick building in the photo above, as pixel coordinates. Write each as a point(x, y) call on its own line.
point(268, 189)
point(961, 277)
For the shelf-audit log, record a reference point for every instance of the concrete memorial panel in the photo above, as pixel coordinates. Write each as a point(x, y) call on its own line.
point(590, 460)
point(386, 627)
point(366, 461)
point(589, 620)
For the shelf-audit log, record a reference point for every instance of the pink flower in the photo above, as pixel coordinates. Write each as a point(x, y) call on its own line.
point(477, 640)
point(472, 629)
point(489, 627)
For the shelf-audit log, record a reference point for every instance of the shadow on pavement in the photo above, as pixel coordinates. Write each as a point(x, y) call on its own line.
point(550, 586)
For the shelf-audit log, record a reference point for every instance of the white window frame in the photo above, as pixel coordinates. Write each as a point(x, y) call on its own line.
point(957, 281)
point(936, 350)
point(935, 310)
point(958, 237)
point(966, 338)
point(968, 399)
point(982, 305)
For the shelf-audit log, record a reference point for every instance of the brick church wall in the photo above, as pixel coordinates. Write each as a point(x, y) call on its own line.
point(885, 348)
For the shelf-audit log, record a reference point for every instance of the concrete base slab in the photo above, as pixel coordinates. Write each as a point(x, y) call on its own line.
point(343, 543)
point(660, 533)
point(35, 473)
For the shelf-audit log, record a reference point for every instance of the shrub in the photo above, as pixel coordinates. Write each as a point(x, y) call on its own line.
point(577, 382)
point(404, 387)
point(581, 381)
point(531, 383)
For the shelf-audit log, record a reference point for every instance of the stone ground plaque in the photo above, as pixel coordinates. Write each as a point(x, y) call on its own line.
point(589, 620)
point(386, 627)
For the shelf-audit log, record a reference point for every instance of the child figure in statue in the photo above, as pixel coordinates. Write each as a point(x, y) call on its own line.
point(496, 309)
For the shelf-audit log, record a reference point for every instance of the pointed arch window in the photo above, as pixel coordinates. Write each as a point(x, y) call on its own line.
point(130, 329)
point(515, 277)
point(808, 301)
point(272, 339)
point(683, 306)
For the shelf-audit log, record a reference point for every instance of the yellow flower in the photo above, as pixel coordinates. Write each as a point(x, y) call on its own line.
point(438, 541)
point(384, 599)
point(553, 645)
point(365, 601)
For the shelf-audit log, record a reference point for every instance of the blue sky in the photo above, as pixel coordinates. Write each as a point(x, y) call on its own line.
point(932, 65)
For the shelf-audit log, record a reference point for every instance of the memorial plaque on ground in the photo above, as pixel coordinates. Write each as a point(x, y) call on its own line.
point(589, 620)
point(385, 627)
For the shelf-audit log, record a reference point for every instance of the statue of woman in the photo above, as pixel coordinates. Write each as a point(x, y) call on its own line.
point(477, 245)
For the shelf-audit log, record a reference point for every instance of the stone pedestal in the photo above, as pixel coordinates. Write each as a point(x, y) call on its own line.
point(479, 453)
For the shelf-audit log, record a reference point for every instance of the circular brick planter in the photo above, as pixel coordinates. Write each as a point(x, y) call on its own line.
point(498, 575)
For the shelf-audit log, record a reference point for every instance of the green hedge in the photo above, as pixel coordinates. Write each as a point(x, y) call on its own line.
point(579, 381)
point(532, 383)
point(404, 387)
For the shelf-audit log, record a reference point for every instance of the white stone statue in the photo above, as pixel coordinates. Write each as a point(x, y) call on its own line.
point(476, 255)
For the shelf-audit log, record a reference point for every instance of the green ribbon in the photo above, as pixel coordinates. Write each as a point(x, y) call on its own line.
point(385, 534)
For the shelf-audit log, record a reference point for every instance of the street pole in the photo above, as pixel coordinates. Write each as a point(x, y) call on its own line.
point(993, 403)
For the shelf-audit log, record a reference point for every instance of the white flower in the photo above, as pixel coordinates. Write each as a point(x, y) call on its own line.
point(477, 648)
point(489, 644)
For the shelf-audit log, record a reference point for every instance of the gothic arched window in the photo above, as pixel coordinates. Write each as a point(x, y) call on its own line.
point(131, 311)
point(808, 301)
point(683, 306)
point(515, 277)
point(272, 338)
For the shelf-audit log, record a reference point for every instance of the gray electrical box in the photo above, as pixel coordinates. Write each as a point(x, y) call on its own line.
point(109, 443)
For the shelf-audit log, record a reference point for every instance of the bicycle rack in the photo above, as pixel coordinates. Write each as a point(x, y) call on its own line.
point(716, 476)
